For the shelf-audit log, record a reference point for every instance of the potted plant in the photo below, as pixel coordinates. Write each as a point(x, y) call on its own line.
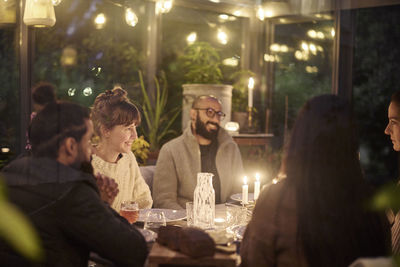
point(200, 64)
point(157, 120)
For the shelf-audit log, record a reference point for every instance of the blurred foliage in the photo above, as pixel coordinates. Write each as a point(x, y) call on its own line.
point(157, 118)
point(140, 147)
point(387, 197)
point(201, 64)
point(292, 80)
point(16, 229)
point(375, 79)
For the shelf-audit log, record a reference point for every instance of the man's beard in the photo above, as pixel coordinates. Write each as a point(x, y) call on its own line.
point(202, 130)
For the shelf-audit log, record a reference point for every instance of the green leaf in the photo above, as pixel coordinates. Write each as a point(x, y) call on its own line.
point(18, 232)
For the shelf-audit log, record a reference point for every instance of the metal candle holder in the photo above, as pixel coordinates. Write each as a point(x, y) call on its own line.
point(250, 117)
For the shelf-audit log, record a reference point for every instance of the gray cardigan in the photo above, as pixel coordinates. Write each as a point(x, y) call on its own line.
point(178, 163)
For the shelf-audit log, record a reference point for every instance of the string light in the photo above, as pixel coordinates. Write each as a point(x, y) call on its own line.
point(130, 17)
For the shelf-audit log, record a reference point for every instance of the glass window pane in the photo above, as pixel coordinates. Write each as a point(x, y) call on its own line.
point(9, 80)
point(90, 49)
point(302, 55)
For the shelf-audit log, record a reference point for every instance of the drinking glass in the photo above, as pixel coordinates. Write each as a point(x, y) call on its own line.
point(189, 213)
point(154, 219)
point(129, 210)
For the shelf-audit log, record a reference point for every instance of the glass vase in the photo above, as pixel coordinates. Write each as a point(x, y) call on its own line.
point(204, 202)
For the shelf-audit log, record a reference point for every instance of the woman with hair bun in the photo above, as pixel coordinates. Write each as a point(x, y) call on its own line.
point(115, 120)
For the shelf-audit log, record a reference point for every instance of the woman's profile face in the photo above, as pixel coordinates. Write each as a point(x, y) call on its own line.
point(121, 137)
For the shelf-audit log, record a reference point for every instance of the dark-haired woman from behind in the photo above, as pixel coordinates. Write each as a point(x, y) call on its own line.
point(318, 215)
point(115, 120)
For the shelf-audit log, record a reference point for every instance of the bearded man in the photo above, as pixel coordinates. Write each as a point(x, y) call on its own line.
point(203, 147)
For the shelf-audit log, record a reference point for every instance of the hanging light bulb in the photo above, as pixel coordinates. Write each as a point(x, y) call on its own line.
point(39, 13)
point(191, 38)
point(100, 21)
point(56, 2)
point(222, 37)
point(163, 6)
point(260, 13)
point(130, 17)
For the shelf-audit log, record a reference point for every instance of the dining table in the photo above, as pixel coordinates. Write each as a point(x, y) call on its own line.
point(230, 222)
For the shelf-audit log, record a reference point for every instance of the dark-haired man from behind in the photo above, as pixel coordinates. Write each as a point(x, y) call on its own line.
point(57, 190)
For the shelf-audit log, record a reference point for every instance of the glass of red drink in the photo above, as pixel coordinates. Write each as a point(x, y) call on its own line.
point(129, 210)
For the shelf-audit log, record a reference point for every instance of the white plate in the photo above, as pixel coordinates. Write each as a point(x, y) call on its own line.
point(238, 197)
point(149, 235)
point(170, 215)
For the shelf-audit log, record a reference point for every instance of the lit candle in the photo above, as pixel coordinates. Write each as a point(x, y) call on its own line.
point(245, 191)
point(251, 87)
point(257, 186)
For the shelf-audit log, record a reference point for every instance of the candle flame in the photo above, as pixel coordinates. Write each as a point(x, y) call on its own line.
point(245, 180)
point(257, 176)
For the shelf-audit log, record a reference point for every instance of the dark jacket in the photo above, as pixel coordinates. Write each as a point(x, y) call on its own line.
point(65, 206)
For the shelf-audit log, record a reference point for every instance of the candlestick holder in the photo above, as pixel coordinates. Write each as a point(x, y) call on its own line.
point(250, 117)
point(249, 126)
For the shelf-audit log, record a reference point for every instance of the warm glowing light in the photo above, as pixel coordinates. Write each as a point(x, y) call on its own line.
point(87, 91)
point(164, 6)
point(100, 20)
point(269, 58)
point(232, 61)
point(319, 48)
point(222, 37)
point(274, 181)
point(245, 180)
point(298, 54)
point(232, 126)
point(260, 13)
point(313, 48)
point(237, 13)
point(219, 220)
point(275, 47)
point(71, 91)
point(55, 2)
point(304, 46)
point(320, 35)
point(130, 17)
point(268, 13)
point(215, 1)
point(312, 33)
point(333, 32)
point(257, 176)
point(5, 150)
point(191, 38)
point(251, 83)
point(311, 69)
point(223, 16)
point(284, 48)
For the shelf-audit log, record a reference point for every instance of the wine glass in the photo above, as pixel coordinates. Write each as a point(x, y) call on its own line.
point(154, 219)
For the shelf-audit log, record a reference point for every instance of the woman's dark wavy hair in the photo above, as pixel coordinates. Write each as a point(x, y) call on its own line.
point(113, 108)
point(322, 163)
point(57, 121)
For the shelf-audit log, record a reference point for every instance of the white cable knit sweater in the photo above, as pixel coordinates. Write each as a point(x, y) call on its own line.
point(130, 182)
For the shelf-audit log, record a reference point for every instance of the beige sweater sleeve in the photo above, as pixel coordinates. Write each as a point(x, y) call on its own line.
point(141, 191)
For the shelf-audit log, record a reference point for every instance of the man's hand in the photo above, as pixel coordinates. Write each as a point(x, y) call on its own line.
point(108, 188)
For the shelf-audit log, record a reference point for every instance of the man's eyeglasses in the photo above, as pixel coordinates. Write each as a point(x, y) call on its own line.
point(210, 112)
